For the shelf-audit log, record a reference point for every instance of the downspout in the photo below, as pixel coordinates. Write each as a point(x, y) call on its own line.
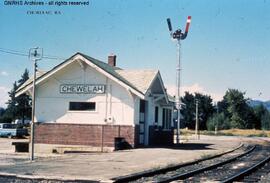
point(106, 101)
point(110, 100)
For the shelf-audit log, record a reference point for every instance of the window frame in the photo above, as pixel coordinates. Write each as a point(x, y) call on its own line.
point(166, 118)
point(156, 121)
point(88, 111)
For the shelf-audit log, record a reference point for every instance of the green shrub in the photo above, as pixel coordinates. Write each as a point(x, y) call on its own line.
point(258, 135)
point(5, 119)
point(218, 120)
point(265, 121)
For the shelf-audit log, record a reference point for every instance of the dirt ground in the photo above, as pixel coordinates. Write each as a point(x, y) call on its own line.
point(105, 166)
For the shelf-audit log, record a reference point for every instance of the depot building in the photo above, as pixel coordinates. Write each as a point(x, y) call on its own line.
point(87, 104)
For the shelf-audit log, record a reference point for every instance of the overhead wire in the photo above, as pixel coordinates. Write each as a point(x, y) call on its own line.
point(13, 53)
point(24, 54)
point(20, 53)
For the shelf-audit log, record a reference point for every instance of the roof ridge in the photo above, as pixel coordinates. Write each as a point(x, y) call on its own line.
point(142, 69)
point(102, 62)
point(138, 70)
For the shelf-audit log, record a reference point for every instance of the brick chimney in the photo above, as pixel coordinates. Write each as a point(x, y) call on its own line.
point(112, 60)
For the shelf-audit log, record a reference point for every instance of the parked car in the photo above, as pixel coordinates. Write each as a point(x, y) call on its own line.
point(11, 130)
point(20, 122)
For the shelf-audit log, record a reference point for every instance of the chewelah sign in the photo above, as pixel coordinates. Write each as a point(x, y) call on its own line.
point(82, 89)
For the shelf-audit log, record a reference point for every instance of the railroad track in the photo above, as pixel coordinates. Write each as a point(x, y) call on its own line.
point(263, 174)
point(258, 172)
point(244, 164)
point(166, 174)
point(246, 168)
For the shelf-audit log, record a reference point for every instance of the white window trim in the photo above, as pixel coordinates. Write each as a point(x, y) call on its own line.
point(83, 111)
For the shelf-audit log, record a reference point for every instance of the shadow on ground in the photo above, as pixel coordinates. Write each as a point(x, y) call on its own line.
point(187, 146)
point(192, 146)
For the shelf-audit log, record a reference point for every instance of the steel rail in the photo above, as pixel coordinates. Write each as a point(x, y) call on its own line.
point(149, 173)
point(246, 172)
point(200, 170)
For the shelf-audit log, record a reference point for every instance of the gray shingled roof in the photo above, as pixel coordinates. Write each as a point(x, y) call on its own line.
point(140, 80)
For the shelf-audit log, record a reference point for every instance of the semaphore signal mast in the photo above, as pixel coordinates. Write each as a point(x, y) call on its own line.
point(178, 35)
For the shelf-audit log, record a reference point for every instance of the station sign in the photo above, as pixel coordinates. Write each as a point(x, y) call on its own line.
point(82, 89)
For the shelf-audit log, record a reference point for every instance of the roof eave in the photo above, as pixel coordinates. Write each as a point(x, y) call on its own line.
point(46, 75)
point(70, 60)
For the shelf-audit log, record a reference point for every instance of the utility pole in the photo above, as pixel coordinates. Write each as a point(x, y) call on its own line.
point(35, 54)
point(178, 35)
point(197, 132)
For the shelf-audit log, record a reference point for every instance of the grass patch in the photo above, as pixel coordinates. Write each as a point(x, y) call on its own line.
point(205, 156)
point(230, 132)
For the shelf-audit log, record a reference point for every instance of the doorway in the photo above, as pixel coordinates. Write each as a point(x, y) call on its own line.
point(142, 122)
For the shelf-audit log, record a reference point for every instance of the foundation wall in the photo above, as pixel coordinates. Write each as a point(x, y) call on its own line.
point(98, 136)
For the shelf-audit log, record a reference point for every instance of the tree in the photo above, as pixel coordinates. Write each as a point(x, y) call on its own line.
point(11, 111)
point(222, 107)
point(2, 117)
point(218, 120)
point(265, 121)
point(23, 107)
point(2, 111)
point(259, 112)
point(206, 109)
point(18, 107)
point(241, 115)
point(188, 110)
point(250, 118)
point(237, 121)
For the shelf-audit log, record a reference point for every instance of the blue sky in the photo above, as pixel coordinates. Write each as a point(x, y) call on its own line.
point(227, 46)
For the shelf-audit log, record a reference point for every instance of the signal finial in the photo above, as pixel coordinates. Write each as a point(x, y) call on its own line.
point(169, 24)
point(188, 23)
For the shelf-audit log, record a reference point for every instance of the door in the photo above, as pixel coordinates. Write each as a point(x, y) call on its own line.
point(142, 123)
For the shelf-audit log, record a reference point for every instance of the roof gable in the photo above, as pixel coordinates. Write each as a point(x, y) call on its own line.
point(157, 86)
point(136, 81)
point(28, 84)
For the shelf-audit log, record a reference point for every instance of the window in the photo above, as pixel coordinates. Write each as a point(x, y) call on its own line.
point(166, 118)
point(142, 106)
point(82, 106)
point(12, 126)
point(156, 115)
